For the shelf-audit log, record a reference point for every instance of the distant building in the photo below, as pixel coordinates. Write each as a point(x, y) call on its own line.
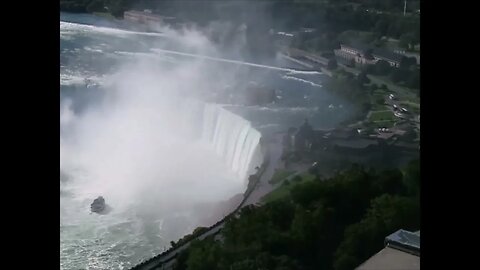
point(366, 55)
point(402, 251)
point(409, 54)
point(146, 17)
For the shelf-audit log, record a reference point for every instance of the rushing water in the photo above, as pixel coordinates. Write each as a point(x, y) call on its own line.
point(207, 163)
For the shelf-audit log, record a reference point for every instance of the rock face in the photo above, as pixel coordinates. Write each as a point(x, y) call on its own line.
point(98, 205)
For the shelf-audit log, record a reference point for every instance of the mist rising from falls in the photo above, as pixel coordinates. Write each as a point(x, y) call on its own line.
point(155, 157)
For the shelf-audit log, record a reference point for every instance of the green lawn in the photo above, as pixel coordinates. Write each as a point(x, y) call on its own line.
point(378, 94)
point(378, 107)
point(401, 91)
point(105, 15)
point(391, 44)
point(382, 124)
point(385, 115)
point(414, 107)
point(280, 175)
point(284, 189)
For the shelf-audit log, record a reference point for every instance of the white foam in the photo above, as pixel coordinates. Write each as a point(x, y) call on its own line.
point(92, 49)
point(69, 79)
point(67, 28)
point(206, 57)
point(146, 55)
point(300, 80)
point(307, 72)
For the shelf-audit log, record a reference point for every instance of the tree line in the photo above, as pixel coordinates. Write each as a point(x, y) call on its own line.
point(114, 7)
point(334, 223)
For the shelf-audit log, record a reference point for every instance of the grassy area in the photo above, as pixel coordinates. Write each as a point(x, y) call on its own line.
point(391, 44)
point(105, 15)
point(386, 115)
point(378, 107)
point(284, 189)
point(378, 94)
point(414, 107)
point(382, 124)
point(280, 175)
point(401, 91)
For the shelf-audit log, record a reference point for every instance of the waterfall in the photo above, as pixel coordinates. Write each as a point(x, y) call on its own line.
point(233, 138)
point(229, 135)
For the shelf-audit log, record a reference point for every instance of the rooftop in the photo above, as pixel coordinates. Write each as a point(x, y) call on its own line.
point(404, 240)
point(391, 259)
point(401, 252)
point(387, 55)
point(382, 53)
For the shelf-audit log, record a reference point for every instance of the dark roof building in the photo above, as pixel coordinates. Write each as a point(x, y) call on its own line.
point(404, 240)
point(387, 55)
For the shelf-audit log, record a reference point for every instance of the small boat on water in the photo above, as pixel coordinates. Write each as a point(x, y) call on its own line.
point(98, 205)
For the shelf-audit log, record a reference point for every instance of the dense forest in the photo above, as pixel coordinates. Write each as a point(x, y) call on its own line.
point(334, 223)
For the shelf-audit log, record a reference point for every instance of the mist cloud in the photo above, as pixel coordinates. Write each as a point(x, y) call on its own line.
point(136, 145)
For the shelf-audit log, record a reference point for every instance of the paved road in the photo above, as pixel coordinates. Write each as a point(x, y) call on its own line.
point(263, 187)
point(167, 261)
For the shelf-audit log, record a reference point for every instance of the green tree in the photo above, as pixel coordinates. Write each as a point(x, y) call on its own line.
point(204, 255)
point(380, 100)
point(381, 27)
point(347, 216)
point(399, 75)
point(386, 215)
point(117, 7)
point(362, 78)
point(369, 69)
point(332, 64)
point(382, 67)
point(408, 41)
point(390, 182)
point(95, 6)
point(412, 177)
point(297, 178)
point(414, 80)
point(410, 135)
point(407, 62)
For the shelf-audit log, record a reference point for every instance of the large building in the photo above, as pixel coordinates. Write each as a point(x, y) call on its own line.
point(146, 17)
point(363, 54)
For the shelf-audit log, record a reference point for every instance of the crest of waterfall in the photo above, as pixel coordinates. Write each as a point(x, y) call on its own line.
point(232, 138)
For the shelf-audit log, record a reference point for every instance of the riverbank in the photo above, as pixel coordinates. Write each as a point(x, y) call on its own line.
point(105, 15)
